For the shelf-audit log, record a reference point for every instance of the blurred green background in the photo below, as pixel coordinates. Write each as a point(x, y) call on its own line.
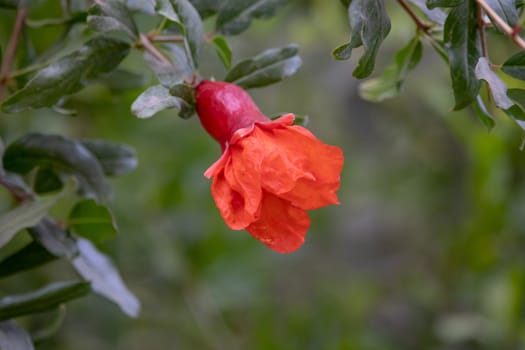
point(426, 250)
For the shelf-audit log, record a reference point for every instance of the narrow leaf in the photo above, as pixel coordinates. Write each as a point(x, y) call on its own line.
point(461, 41)
point(153, 100)
point(515, 66)
point(223, 50)
point(206, 8)
point(165, 8)
point(64, 156)
point(49, 297)
point(389, 84)
point(498, 88)
point(235, 16)
point(269, 67)
point(26, 215)
point(108, 16)
point(443, 3)
point(174, 72)
point(68, 74)
point(115, 158)
point(436, 15)
point(482, 113)
point(32, 255)
point(104, 277)
point(14, 337)
point(506, 9)
point(193, 28)
point(92, 221)
point(370, 25)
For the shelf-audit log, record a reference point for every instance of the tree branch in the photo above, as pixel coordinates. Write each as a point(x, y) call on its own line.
point(513, 33)
point(146, 43)
point(419, 23)
point(11, 49)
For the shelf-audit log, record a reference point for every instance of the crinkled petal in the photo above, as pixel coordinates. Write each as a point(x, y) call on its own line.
point(218, 166)
point(298, 167)
point(243, 174)
point(280, 226)
point(232, 204)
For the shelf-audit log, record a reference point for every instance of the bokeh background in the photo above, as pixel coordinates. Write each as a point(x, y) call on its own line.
point(426, 250)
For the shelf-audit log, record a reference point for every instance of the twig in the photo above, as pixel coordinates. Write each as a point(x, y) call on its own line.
point(146, 43)
point(166, 38)
point(11, 49)
point(512, 32)
point(419, 23)
point(482, 37)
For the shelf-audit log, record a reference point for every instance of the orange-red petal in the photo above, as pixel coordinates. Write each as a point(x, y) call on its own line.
point(281, 226)
point(232, 204)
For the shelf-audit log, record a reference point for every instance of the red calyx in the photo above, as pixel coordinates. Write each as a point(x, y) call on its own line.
point(224, 108)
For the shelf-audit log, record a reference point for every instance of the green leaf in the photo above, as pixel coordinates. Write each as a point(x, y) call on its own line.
point(49, 297)
point(517, 95)
point(235, 16)
point(516, 112)
point(120, 80)
point(115, 158)
point(506, 9)
point(63, 156)
point(14, 337)
point(109, 16)
point(193, 28)
point(27, 214)
point(461, 41)
point(92, 221)
point(444, 3)
point(515, 66)
point(223, 50)
point(498, 88)
point(54, 238)
point(165, 8)
point(186, 96)
point(105, 280)
point(436, 15)
point(10, 4)
point(46, 180)
point(482, 113)
point(370, 25)
point(269, 67)
point(155, 99)
point(68, 74)
point(389, 84)
point(206, 8)
point(172, 73)
point(32, 255)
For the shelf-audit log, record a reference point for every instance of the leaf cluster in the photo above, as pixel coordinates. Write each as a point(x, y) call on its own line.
point(456, 30)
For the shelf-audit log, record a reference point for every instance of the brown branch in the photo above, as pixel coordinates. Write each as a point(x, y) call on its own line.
point(166, 38)
point(146, 43)
point(419, 23)
point(10, 52)
point(513, 33)
point(482, 37)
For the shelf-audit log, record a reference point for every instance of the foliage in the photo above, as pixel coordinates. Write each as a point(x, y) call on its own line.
point(61, 208)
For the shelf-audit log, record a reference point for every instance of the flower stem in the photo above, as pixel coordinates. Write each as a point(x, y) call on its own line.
point(11, 49)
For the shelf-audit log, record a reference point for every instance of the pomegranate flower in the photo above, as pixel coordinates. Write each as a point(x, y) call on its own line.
point(270, 171)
